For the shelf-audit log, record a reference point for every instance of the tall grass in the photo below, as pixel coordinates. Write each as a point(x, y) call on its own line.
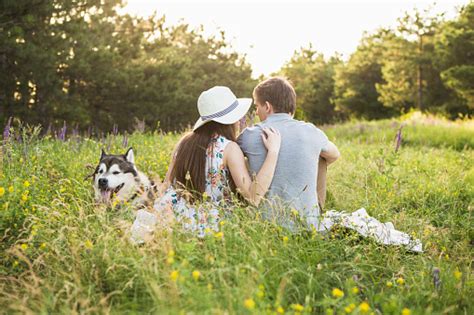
point(61, 253)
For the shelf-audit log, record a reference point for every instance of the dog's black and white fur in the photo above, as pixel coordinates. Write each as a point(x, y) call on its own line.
point(117, 178)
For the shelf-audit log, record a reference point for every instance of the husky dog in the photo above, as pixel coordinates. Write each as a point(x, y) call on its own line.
point(116, 177)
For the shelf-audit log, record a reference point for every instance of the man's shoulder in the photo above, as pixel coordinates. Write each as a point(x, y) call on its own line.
point(305, 124)
point(250, 138)
point(251, 132)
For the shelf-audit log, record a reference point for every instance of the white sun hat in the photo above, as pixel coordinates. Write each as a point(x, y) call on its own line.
point(221, 105)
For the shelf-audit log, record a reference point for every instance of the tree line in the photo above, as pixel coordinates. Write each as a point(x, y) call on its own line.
point(424, 63)
point(80, 62)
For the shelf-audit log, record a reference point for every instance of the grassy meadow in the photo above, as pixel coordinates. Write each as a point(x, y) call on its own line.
point(61, 253)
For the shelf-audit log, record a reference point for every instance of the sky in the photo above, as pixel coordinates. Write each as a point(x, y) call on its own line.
point(269, 32)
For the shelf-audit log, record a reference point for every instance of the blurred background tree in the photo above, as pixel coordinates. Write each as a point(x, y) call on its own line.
point(83, 63)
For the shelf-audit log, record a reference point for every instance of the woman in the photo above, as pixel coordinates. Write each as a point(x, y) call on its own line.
point(208, 163)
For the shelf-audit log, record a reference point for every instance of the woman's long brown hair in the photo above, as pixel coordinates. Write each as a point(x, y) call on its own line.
point(189, 168)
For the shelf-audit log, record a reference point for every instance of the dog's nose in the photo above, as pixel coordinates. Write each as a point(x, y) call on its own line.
point(103, 182)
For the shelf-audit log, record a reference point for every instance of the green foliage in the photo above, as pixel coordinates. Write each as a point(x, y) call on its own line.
point(356, 81)
point(313, 78)
point(85, 64)
point(424, 63)
point(454, 46)
point(60, 252)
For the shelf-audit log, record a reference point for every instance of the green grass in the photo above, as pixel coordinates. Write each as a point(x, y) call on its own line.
point(60, 253)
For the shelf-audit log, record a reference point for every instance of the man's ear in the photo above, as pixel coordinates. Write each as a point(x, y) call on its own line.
point(103, 154)
point(269, 107)
point(129, 156)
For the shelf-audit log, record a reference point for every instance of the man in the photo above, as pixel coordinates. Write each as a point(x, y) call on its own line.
point(294, 185)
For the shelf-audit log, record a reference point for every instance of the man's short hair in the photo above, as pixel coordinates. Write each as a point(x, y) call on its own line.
point(279, 92)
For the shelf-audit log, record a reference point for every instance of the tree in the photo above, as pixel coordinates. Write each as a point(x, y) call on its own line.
point(355, 81)
point(455, 55)
point(411, 78)
point(312, 77)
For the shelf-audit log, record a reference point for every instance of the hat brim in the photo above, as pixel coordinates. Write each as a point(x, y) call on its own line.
point(230, 118)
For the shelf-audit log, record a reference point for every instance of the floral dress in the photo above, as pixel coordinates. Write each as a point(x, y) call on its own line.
point(202, 219)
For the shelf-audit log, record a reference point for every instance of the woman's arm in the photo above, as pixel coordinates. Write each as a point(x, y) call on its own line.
point(253, 190)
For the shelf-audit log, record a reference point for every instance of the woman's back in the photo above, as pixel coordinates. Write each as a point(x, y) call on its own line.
point(217, 174)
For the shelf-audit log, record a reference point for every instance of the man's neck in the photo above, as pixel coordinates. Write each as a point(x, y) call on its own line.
point(278, 116)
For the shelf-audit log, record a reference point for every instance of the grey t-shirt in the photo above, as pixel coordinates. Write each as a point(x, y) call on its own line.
point(296, 173)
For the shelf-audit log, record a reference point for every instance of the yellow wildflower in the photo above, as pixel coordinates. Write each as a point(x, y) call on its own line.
point(196, 275)
point(171, 253)
point(389, 284)
point(297, 307)
point(350, 308)
point(222, 223)
point(219, 235)
point(280, 310)
point(209, 287)
point(401, 281)
point(249, 304)
point(24, 246)
point(329, 311)
point(285, 239)
point(15, 263)
point(88, 244)
point(355, 290)
point(43, 245)
point(11, 189)
point(174, 275)
point(337, 293)
point(2, 191)
point(294, 212)
point(406, 311)
point(457, 274)
point(364, 307)
point(26, 184)
point(24, 197)
point(210, 259)
point(169, 260)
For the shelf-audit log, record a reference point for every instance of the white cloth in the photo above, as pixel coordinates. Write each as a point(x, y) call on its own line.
point(368, 226)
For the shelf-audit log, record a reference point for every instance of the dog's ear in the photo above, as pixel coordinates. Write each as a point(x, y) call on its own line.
point(103, 154)
point(129, 156)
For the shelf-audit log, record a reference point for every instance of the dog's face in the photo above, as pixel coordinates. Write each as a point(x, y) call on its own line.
point(114, 176)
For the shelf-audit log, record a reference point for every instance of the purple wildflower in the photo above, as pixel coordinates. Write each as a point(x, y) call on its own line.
point(125, 140)
point(436, 278)
point(6, 131)
point(398, 139)
point(62, 132)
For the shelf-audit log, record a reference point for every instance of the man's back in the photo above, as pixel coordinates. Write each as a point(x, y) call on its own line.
point(294, 182)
